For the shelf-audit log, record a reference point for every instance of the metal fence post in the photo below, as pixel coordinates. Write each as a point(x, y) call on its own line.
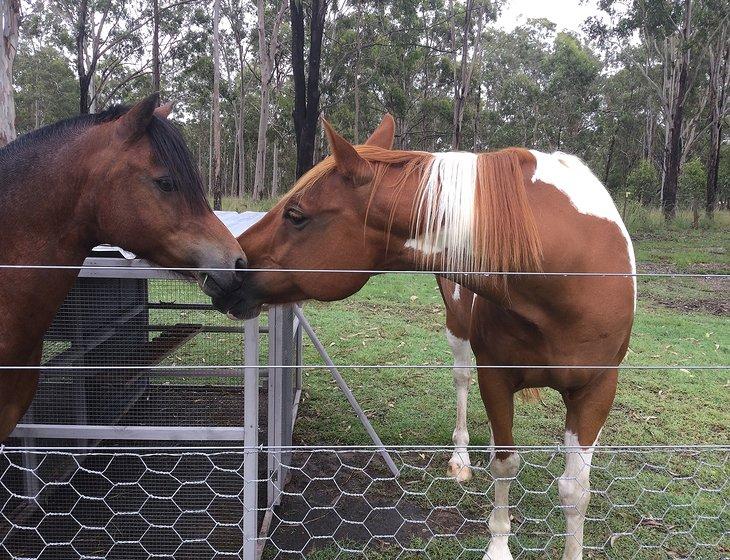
point(250, 439)
point(274, 407)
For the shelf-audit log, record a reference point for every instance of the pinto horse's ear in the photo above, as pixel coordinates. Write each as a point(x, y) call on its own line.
point(384, 134)
point(133, 124)
point(164, 110)
point(348, 161)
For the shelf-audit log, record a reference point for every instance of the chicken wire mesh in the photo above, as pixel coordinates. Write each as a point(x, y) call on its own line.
point(647, 502)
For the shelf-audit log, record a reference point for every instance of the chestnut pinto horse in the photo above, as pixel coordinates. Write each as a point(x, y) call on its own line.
point(124, 177)
point(372, 208)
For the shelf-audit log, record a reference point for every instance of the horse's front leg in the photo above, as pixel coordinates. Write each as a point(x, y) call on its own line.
point(498, 396)
point(587, 410)
point(460, 464)
point(17, 389)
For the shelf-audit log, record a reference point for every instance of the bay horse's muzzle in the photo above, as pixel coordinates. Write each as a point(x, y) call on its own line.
point(221, 283)
point(244, 303)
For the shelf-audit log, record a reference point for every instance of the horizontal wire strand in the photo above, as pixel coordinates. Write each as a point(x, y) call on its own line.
point(173, 451)
point(367, 271)
point(351, 366)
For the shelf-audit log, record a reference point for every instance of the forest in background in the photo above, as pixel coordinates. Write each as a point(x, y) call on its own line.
point(640, 94)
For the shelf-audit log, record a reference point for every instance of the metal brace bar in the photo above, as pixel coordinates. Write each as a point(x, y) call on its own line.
point(342, 384)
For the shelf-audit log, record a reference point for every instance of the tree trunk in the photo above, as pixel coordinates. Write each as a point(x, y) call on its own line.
point(306, 90)
point(241, 127)
point(265, 84)
point(10, 17)
point(233, 191)
point(155, 46)
point(358, 48)
point(674, 143)
point(260, 171)
point(84, 77)
point(463, 82)
point(217, 197)
point(718, 89)
point(609, 157)
point(275, 172)
point(477, 115)
point(267, 57)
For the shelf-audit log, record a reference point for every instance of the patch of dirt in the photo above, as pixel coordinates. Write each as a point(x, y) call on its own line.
point(351, 499)
point(718, 303)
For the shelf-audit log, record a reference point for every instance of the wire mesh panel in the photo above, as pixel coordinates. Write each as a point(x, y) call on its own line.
point(107, 334)
point(654, 502)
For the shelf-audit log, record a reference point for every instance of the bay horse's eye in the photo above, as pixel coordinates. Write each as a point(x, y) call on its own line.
point(296, 217)
point(165, 184)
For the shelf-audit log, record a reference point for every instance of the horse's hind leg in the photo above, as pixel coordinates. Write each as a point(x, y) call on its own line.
point(587, 412)
point(460, 464)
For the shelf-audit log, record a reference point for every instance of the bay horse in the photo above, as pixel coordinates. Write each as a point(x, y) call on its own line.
point(370, 208)
point(123, 177)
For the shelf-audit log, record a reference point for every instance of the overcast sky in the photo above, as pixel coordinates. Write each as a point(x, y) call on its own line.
point(567, 14)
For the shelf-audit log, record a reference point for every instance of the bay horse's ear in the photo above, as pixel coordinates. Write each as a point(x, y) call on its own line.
point(348, 161)
point(133, 124)
point(164, 110)
point(384, 134)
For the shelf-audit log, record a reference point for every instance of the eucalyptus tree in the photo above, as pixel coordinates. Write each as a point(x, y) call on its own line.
point(9, 23)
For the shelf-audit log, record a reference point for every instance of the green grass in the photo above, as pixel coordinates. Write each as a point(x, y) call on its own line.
point(399, 320)
point(246, 204)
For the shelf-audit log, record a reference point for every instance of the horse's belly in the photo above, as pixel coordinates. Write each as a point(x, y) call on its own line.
point(501, 339)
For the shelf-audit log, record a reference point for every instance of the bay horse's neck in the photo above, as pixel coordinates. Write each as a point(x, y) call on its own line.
point(43, 211)
point(45, 221)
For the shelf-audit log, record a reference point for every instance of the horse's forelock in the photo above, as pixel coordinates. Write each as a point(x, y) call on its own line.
point(170, 149)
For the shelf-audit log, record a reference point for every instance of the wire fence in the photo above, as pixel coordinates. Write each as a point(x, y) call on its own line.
point(647, 502)
point(150, 351)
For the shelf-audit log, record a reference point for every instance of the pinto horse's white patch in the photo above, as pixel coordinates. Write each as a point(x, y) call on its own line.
point(445, 209)
point(457, 293)
point(459, 464)
point(572, 177)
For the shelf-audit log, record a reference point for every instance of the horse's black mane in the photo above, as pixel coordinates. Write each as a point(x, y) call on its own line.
point(166, 139)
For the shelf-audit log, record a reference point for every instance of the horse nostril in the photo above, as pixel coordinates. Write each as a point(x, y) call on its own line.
point(241, 266)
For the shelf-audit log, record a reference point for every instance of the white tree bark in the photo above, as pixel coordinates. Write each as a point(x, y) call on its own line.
point(267, 57)
point(275, 172)
point(9, 20)
point(462, 81)
point(217, 179)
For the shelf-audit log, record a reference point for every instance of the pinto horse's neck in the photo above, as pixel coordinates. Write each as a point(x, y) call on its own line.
point(462, 213)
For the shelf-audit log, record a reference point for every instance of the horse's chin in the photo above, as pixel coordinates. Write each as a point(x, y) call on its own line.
point(244, 314)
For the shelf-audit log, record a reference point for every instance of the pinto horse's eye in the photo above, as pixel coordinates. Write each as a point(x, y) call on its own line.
point(165, 184)
point(296, 217)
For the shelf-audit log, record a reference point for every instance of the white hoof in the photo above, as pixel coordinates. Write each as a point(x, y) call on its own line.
point(458, 470)
point(498, 551)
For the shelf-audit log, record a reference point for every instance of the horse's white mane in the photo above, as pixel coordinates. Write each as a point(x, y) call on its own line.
point(445, 211)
